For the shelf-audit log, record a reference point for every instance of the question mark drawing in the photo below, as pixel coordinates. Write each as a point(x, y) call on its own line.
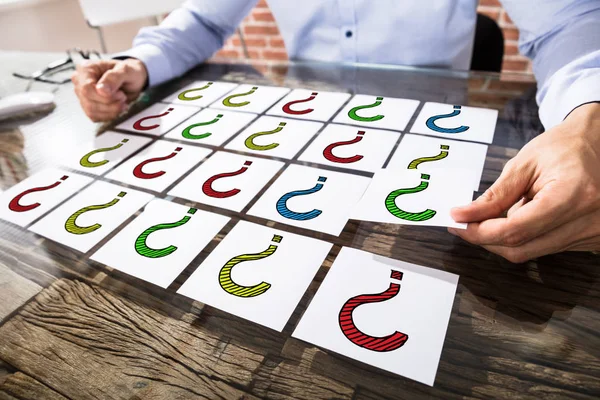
point(210, 192)
point(390, 203)
point(187, 132)
point(228, 103)
point(328, 152)
point(374, 343)
point(138, 170)
point(85, 160)
point(443, 154)
point(288, 107)
point(228, 285)
point(249, 142)
point(15, 204)
point(138, 124)
point(353, 112)
point(144, 250)
point(285, 212)
point(71, 223)
point(184, 95)
point(432, 125)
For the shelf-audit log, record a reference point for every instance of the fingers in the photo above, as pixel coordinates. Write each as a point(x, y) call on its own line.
point(517, 206)
point(99, 112)
point(549, 209)
point(97, 106)
point(575, 235)
point(88, 91)
point(512, 185)
point(113, 79)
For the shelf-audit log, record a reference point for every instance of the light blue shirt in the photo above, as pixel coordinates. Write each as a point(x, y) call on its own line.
point(562, 37)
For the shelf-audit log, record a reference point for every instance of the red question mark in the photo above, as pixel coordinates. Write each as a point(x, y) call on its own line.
point(209, 191)
point(137, 171)
point(14, 203)
point(380, 344)
point(288, 110)
point(138, 124)
point(328, 152)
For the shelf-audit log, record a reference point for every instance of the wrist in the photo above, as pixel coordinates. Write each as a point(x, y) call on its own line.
point(139, 66)
point(585, 119)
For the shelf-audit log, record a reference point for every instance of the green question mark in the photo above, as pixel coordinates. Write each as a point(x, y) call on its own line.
point(227, 100)
point(353, 112)
point(390, 203)
point(71, 223)
point(443, 154)
point(187, 132)
point(250, 140)
point(144, 250)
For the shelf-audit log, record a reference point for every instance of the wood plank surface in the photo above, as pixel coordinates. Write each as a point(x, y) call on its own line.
point(20, 386)
point(92, 344)
point(15, 289)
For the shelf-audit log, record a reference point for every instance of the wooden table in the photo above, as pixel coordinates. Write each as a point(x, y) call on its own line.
point(72, 328)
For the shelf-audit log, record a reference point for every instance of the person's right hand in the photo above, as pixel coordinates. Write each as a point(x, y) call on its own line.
point(105, 87)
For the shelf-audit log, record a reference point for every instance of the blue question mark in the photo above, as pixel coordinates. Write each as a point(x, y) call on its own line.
point(431, 122)
point(285, 212)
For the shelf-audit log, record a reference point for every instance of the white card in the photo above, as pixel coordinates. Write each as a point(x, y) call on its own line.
point(87, 218)
point(275, 136)
point(200, 93)
point(104, 152)
point(428, 154)
point(159, 165)
point(410, 197)
point(377, 112)
point(161, 241)
point(386, 313)
point(31, 198)
point(257, 273)
point(212, 127)
point(158, 119)
point(456, 122)
point(311, 198)
point(309, 104)
point(227, 180)
point(250, 98)
point(351, 147)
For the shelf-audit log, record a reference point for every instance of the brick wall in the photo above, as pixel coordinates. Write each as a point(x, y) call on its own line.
point(513, 61)
point(264, 42)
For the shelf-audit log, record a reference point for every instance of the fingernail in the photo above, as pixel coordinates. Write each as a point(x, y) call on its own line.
point(124, 107)
point(455, 210)
point(103, 88)
point(452, 231)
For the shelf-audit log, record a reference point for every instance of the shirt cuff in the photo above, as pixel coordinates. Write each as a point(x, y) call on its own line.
point(567, 91)
point(157, 65)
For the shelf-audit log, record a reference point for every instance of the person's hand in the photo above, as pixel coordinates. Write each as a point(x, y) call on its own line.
point(547, 199)
point(105, 87)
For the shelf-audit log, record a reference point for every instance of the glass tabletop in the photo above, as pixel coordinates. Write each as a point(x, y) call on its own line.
point(528, 330)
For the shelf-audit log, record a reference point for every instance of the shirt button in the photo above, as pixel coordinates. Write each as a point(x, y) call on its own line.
point(348, 34)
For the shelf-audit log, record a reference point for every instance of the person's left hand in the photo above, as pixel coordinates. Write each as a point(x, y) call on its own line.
point(547, 199)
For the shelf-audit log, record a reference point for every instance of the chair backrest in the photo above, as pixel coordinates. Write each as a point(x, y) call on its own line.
point(106, 12)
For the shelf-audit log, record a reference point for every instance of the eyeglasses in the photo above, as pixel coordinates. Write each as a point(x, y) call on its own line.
point(74, 57)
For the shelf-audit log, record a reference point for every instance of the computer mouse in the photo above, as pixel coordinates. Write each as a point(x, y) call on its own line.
point(24, 104)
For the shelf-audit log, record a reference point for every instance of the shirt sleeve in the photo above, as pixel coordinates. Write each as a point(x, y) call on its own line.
point(562, 38)
point(187, 37)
